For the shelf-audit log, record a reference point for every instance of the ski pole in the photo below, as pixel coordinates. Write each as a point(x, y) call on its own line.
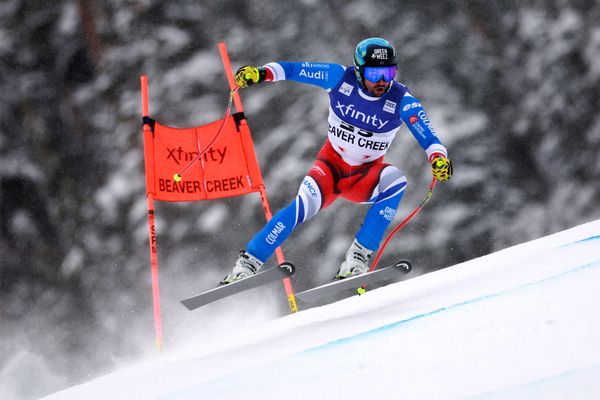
point(177, 176)
point(401, 224)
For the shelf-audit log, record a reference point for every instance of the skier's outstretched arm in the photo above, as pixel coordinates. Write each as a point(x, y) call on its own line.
point(324, 75)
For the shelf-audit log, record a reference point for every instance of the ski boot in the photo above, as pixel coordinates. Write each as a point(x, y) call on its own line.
point(245, 266)
point(356, 263)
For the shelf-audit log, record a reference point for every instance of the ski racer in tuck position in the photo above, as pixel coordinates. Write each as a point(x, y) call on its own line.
point(367, 108)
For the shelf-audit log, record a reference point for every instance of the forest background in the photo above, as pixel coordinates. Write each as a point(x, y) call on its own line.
point(511, 87)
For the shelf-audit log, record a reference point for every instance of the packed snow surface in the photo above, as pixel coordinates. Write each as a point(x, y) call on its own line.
point(522, 323)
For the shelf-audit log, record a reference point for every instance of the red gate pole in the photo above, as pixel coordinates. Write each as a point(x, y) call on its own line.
point(287, 283)
point(401, 224)
point(149, 164)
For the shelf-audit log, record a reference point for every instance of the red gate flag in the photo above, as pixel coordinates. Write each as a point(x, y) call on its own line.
point(227, 168)
point(206, 162)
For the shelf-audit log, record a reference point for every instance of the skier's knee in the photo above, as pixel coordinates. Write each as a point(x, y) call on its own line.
point(391, 183)
point(309, 199)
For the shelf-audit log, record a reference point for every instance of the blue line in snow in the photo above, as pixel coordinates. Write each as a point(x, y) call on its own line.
point(587, 239)
point(584, 240)
point(393, 325)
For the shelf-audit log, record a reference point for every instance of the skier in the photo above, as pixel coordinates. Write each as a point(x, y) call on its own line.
point(367, 108)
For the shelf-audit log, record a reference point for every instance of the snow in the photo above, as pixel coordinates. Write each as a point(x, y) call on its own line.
point(522, 323)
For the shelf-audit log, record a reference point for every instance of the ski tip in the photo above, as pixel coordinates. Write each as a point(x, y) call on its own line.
point(185, 303)
point(288, 268)
point(404, 265)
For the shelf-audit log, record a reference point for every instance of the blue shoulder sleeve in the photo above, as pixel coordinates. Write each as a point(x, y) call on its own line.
point(320, 74)
point(413, 114)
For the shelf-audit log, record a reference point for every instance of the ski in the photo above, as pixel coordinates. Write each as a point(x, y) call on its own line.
point(264, 276)
point(355, 282)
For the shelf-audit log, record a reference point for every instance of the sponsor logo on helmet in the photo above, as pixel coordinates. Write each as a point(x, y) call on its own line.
point(380, 54)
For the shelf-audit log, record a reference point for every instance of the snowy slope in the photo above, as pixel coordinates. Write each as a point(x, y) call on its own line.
point(520, 323)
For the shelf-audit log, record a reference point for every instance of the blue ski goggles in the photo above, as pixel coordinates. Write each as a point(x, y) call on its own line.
point(375, 74)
